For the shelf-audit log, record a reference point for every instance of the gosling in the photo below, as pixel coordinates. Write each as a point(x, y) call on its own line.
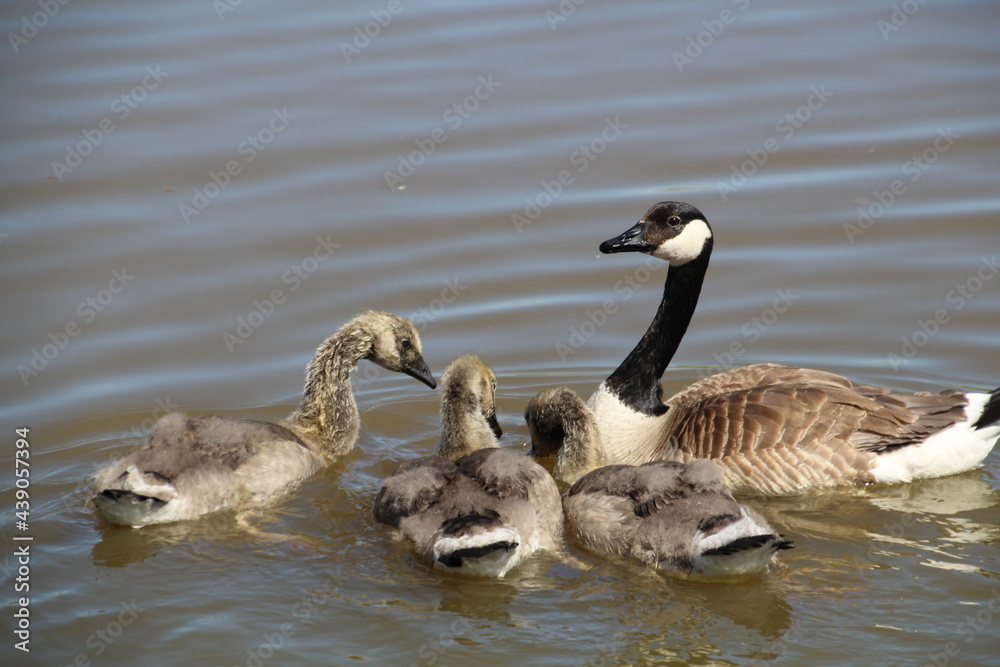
point(674, 517)
point(473, 508)
point(195, 466)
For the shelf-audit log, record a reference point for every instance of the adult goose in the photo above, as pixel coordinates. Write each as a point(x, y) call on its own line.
point(773, 428)
point(473, 508)
point(193, 466)
point(674, 517)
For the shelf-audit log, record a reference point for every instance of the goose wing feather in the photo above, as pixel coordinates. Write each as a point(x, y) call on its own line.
point(784, 428)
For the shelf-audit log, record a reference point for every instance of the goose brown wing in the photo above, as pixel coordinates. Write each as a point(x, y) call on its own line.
point(780, 428)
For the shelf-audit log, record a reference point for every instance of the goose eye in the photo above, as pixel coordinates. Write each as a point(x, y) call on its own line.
point(674, 220)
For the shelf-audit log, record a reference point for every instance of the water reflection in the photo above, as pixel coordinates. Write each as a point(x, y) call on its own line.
point(205, 539)
point(479, 598)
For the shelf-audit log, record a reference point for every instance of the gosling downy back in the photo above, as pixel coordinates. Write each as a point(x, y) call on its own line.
point(193, 466)
point(671, 516)
point(473, 508)
point(675, 517)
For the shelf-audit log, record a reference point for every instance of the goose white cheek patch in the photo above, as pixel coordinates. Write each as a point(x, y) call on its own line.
point(687, 245)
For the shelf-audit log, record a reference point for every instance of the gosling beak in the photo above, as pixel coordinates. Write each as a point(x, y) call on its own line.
point(633, 240)
point(420, 371)
point(494, 424)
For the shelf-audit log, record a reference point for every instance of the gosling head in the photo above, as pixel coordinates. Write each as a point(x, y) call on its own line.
point(468, 407)
point(562, 425)
point(396, 345)
point(671, 230)
point(544, 416)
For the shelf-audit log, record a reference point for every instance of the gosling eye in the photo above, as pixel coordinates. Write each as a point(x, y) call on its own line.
point(406, 344)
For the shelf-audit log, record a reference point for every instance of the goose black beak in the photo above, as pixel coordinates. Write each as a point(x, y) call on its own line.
point(632, 240)
point(420, 371)
point(494, 425)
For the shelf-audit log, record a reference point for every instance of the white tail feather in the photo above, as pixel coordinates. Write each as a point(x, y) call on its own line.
point(958, 448)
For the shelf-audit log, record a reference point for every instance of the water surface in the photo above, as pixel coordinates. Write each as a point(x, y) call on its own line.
point(245, 181)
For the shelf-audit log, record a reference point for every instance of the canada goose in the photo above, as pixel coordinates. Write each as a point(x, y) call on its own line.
point(472, 508)
point(672, 516)
point(773, 428)
point(193, 466)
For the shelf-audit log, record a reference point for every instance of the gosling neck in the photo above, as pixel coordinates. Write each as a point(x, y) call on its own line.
point(636, 381)
point(464, 428)
point(582, 450)
point(328, 416)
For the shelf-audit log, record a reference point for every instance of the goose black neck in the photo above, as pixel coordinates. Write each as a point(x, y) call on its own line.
point(636, 381)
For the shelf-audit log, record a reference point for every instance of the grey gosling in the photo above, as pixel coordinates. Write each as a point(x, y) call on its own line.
point(773, 429)
point(674, 517)
point(473, 508)
point(193, 466)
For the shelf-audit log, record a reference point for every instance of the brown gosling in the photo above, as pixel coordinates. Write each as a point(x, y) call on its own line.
point(473, 508)
point(674, 517)
point(194, 466)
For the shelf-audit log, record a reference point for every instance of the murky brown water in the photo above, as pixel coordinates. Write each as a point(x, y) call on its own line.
point(195, 197)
